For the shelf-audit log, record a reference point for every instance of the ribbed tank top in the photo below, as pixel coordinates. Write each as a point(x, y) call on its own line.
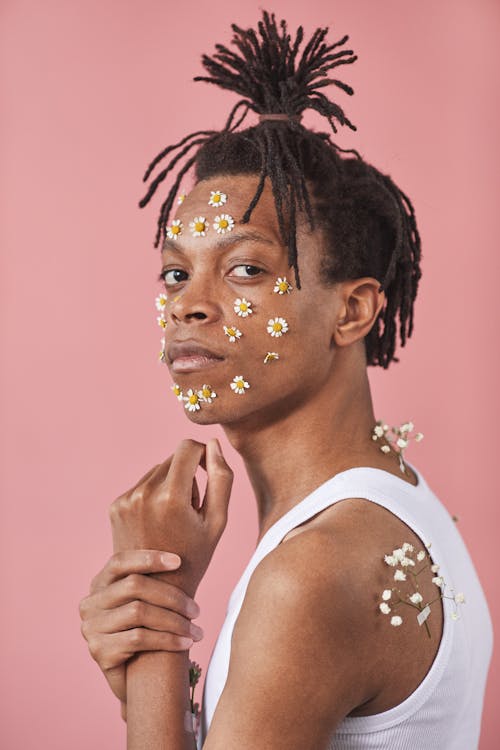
point(444, 712)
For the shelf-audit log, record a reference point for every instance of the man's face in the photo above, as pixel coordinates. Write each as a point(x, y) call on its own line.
point(272, 352)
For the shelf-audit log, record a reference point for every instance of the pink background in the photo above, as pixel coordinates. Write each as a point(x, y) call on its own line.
point(91, 92)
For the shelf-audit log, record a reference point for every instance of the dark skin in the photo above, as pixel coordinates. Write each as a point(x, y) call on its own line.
point(310, 408)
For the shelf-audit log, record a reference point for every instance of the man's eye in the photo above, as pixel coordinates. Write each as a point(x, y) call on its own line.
point(173, 276)
point(245, 271)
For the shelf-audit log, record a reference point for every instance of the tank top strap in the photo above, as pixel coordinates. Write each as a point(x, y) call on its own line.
point(360, 481)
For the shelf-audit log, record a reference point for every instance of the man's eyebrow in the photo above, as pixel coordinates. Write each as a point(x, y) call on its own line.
point(232, 239)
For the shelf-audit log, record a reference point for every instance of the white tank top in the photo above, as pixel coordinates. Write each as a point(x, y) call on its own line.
point(444, 712)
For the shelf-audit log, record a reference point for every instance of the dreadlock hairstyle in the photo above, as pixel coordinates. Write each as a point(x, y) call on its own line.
point(368, 223)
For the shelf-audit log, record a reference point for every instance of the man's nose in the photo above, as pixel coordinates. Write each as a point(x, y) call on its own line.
point(196, 302)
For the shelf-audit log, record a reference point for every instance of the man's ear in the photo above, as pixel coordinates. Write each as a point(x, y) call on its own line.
point(360, 304)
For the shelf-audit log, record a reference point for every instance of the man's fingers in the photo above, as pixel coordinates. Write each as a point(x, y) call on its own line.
point(219, 483)
point(178, 485)
point(129, 561)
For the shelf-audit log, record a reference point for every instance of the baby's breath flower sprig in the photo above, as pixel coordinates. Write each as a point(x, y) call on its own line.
point(400, 439)
point(194, 676)
point(402, 559)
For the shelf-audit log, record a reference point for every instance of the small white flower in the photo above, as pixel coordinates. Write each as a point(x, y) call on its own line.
point(398, 553)
point(386, 594)
point(161, 321)
point(385, 448)
point(420, 555)
point(378, 430)
point(407, 547)
point(175, 229)
point(390, 560)
point(277, 326)
point(223, 223)
point(434, 568)
point(401, 443)
point(460, 598)
point(198, 226)
point(270, 357)
point(396, 620)
point(239, 384)
point(438, 580)
point(418, 437)
point(406, 561)
point(384, 608)
point(192, 401)
point(282, 286)
point(416, 598)
point(217, 198)
point(181, 199)
point(232, 333)
point(161, 301)
point(399, 575)
point(207, 394)
point(242, 307)
point(177, 392)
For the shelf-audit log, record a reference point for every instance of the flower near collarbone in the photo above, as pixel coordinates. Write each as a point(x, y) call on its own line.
point(400, 439)
point(406, 568)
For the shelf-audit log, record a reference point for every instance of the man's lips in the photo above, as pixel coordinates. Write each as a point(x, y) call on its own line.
point(189, 355)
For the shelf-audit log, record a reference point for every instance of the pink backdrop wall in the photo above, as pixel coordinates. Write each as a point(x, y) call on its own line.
point(91, 91)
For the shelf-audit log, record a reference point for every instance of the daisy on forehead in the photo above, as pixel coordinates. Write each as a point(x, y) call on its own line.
point(230, 293)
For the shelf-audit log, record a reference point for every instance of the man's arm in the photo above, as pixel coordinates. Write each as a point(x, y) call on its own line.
point(158, 706)
point(300, 653)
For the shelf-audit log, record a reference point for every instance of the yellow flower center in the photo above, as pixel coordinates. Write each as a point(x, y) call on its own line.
point(216, 198)
point(243, 306)
point(193, 399)
point(175, 229)
point(231, 331)
point(177, 390)
point(240, 383)
point(207, 392)
point(223, 223)
point(283, 286)
point(199, 226)
point(277, 326)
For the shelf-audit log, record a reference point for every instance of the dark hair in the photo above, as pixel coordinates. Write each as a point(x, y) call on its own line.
point(368, 222)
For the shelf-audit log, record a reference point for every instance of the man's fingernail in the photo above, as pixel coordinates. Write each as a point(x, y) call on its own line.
point(170, 560)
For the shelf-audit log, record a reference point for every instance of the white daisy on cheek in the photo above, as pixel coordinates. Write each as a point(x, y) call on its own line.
point(239, 384)
point(282, 286)
point(232, 333)
point(242, 307)
point(207, 394)
point(192, 400)
point(161, 301)
point(177, 392)
point(277, 326)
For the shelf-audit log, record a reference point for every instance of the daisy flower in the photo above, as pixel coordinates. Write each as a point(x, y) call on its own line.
point(198, 226)
point(217, 198)
point(177, 391)
point(277, 326)
point(223, 223)
point(270, 356)
point(207, 394)
point(181, 198)
point(239, 384)
point(174, 229)
point(161, 321)
point(192, 401)
point(282, 286)
point(162, 356)
point(233, 333)
point(161, 301)
point(242, 307)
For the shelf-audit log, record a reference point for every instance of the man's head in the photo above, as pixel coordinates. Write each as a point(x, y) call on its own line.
point(367, 224)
